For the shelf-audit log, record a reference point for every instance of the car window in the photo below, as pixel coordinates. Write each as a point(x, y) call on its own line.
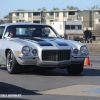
point(1, 31)
point(32, 31)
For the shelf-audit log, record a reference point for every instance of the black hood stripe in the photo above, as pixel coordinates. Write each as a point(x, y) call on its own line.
point(42, 42)
point(60, 43)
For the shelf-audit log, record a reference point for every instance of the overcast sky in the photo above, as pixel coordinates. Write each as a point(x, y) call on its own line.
point(7, 6)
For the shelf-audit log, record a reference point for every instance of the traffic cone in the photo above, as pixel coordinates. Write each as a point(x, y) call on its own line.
point(87, 61)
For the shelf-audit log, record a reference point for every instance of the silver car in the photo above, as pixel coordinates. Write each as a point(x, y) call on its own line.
point(39, 46)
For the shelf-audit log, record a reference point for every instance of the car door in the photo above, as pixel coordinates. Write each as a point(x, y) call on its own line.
point(1, 34)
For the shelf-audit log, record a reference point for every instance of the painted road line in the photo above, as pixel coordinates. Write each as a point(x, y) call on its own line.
point(75, 90)
point(97, 90)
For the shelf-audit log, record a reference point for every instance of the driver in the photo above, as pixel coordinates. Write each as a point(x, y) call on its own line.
point(9, 34)
point(45, 33)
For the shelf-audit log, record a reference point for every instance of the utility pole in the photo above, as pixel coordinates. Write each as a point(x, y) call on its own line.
point(41, 16)
point(91, 19)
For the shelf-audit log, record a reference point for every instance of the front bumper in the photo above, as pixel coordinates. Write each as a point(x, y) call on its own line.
point(78, 59)
point(36, 61)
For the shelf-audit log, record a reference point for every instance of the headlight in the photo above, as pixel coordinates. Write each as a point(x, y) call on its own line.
point(34, 51)
point(25, 50)
point(75, 51)
point(84, 50)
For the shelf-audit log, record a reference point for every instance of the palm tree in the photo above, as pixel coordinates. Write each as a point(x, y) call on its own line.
point(55, 8)
point(39, 9)
point(64, 9)
point(72, 8)
point(7, 16)
point(44, 9)
point(94, 7)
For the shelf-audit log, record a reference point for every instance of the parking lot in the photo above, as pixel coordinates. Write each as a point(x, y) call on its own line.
point(53, 85)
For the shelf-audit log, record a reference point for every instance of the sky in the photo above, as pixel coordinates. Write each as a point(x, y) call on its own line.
point(7, 6)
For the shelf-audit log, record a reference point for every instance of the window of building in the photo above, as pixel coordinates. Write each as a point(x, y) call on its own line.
point(98, 12)
point(21, 15)
point(29, 14)
point(79, 17)
point(99, 20)
point(80, 27)
point(64, 14)
point(51, 13)
point(57, 14)
point(76, 27)
point(20, 21)
point(51, 20)
point(67, 27)
point(17, 14)
point(36, 21)
point(36, 14)
point(73, 27)
point(71, 13)
point(76, 13)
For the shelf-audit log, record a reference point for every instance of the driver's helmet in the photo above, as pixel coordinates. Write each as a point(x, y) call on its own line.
point(45, 32)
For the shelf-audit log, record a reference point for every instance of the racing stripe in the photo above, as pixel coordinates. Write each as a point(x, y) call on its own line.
point(60, 43)
point(42, 42)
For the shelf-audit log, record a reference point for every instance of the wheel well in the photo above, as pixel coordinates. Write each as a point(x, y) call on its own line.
point(6, 52)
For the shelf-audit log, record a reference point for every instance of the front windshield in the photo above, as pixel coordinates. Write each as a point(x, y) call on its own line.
point(41, 31)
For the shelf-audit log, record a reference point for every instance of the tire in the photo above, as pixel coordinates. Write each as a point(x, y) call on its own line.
point(12, 65)
point(75, 68)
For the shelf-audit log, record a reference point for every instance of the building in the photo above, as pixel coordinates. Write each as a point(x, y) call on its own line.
point(44, 16)
point(90, 18)
point(69, 28)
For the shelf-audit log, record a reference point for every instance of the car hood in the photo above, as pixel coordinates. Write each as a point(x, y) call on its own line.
point(49, 42)
point(42, 43)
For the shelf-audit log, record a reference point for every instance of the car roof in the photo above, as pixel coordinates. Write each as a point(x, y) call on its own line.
point(22, 23)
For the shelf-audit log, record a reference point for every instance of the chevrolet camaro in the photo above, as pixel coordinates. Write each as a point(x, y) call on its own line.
point(39, 45)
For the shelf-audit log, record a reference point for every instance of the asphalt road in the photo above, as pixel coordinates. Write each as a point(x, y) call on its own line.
point(52, 85)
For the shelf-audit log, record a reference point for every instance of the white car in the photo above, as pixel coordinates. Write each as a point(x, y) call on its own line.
point(39, 45)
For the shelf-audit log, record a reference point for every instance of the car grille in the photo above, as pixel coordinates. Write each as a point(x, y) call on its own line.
point(55, 55)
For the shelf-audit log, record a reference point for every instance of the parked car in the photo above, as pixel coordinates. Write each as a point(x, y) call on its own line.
point(39, 45)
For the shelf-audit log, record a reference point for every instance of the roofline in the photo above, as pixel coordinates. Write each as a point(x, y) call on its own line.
point(42, 11)
point(15, 11)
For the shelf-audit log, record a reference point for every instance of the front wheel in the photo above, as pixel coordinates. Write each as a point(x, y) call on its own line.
point(12, 65)
point(75, 68)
